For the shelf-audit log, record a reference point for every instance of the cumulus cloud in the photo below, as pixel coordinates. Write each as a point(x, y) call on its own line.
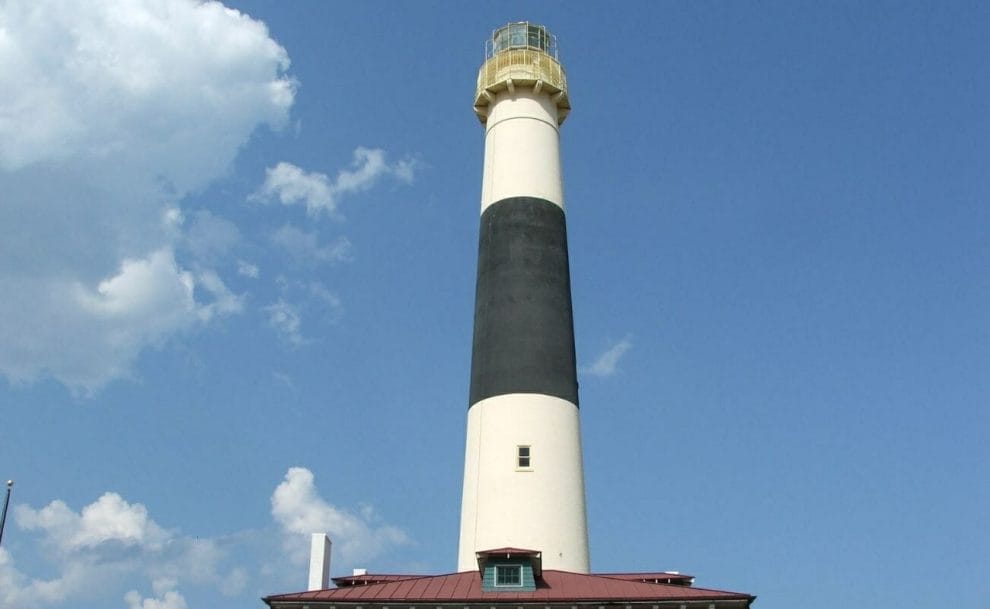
point(94, 331)
point(142, 288)
point(306, 247)
point(607, 363)
point(293, 186)
point(113, 548)
point(312, 298)
point(170, 599)
point(84, 80)
point(300, 511)
point(107, 542)
point(166, 596)
point(18, 590)
point(109, 115)
point(109, 519)
point(88, 332)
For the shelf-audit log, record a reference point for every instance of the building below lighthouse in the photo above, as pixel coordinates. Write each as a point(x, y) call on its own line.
point(523, 531)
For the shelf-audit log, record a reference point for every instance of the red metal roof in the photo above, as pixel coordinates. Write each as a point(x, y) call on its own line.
point(366, 579)
point(509, 551)
point(661, 577)
point(465, 587)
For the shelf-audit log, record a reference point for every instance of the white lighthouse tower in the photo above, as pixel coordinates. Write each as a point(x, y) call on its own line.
point(524, 533)
point(523, 473)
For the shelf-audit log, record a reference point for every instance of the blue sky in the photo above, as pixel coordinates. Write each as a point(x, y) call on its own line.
point(237, 252)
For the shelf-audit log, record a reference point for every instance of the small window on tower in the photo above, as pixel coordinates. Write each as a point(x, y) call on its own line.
point(508, 575)
point(523, 460)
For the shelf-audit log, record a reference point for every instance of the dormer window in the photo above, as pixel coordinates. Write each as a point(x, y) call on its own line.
point(508, 575)
point(509, 570)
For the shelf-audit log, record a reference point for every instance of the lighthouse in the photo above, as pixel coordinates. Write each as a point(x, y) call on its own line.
point(524, 534)
point(523, 472)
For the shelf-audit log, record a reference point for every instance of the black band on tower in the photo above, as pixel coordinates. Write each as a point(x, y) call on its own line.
point(523, 323)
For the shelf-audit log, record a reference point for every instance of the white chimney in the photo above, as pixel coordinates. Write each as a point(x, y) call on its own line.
point(319, 562)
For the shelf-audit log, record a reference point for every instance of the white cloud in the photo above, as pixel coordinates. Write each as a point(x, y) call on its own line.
point(94, 547)
point(170, 599)
point(319, 194)
point(405, 170)
point(291, 185)
point(110, 113)
point(85, 81)
point(305, 246)
point(300, 511)
point(246, 269)
point(17, 590)
point(286, 320)
point(224, 301)
point(329, 302)
point(94, 332)
point(154, 287)
point(313, 298)
point(367, 167)
point(284, 379)
point(113, 548)
point(294, 186)
point(234, 582)
point(209, 237)
point(109, 519)
point(107, 543)
point(608, 362)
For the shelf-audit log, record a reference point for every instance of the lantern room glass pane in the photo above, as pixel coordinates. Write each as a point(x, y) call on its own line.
point(519, 36)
